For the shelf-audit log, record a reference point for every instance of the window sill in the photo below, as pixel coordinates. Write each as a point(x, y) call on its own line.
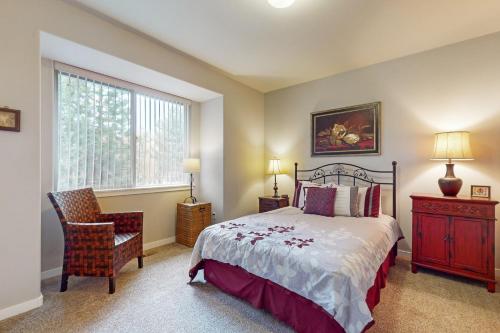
point(140, 190)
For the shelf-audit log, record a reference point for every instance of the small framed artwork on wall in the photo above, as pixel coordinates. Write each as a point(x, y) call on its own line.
point(352, 130)
point(10, 120)
point(480, 191)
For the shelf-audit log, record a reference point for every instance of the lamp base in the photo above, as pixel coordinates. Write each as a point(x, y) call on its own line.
point(192, 199)
point(449, 184)
point(275, 188)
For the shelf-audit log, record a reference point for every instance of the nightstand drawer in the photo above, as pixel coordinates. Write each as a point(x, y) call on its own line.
point(269, 203)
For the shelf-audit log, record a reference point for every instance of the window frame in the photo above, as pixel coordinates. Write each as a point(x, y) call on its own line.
point(134, 89)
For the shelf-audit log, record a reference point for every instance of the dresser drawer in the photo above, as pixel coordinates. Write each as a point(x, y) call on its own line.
point(454, 207)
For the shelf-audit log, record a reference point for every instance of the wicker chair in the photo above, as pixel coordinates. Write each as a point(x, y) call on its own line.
point(95, 243)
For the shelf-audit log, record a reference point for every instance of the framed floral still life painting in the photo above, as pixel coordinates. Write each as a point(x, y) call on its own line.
point(10, 120)
point(352, 130)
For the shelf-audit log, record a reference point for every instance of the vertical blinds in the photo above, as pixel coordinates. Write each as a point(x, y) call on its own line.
point(161, 131)
point(110, 136)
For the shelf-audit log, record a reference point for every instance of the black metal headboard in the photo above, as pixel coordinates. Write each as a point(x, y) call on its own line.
point(340, 171)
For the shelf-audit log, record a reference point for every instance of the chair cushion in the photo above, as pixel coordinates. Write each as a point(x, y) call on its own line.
point(122, 238)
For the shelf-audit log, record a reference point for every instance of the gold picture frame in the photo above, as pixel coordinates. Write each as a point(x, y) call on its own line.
point(480, 191)
point(352, 130)
point(10, 119)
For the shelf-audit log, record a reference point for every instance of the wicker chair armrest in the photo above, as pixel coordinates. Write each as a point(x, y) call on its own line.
point(124, 222)
point(100, 237)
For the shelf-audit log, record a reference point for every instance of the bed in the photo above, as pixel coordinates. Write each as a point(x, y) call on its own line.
point(315, 273)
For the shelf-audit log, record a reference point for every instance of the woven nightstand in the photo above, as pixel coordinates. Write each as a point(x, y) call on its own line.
point(191, 220)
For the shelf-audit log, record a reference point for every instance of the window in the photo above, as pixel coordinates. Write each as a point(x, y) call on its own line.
point(116, 135)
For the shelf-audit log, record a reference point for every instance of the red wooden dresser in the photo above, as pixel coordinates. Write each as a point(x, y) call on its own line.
point(454, 235)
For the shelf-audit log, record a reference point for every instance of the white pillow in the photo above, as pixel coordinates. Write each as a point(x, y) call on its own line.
point(346, 200)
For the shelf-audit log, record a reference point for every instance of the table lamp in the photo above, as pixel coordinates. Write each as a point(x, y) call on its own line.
point(451, 146)
point(274, 169)
point(191, 165)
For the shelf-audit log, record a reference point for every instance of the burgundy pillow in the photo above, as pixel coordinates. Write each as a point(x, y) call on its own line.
point(372, 201)
point(320, 201)
point(296, 194)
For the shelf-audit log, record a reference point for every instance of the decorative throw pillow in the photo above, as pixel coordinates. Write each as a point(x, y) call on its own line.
point(369, 201)
point(299, 196)
point(296, 194)
point(346, 200)
point(320, 201)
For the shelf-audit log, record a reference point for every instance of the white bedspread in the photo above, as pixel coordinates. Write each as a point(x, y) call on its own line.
point(330, 261)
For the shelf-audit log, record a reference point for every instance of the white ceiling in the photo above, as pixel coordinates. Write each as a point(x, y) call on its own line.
point(268, 48)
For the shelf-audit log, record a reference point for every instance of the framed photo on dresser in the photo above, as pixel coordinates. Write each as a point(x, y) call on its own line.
point(480, 191)
point(352, 130)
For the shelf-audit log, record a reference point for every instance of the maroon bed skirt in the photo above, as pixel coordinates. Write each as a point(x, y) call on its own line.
point(300, 313)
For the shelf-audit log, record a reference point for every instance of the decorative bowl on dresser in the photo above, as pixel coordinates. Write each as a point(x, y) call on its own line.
point(192, 218)
point(271, 203)
point(455, 235)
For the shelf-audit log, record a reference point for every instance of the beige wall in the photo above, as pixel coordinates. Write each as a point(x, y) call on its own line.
point(243, 153)
point(451, 88)
point(20, 161)
point(52, 245)
point(212, 156)
point(160, 211)
point(20, 173)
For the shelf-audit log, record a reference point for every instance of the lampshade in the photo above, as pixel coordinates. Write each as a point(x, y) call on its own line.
point(452, 146)
point(274, 167)
point(191, 165)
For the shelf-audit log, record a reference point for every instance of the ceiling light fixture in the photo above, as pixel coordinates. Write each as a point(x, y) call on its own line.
point(281, 3)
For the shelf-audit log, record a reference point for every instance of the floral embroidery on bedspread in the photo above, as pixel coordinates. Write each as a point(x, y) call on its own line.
point(299, 242)
point(239, 236)
point(281, 229)
point(232, 225)
point(261, 235)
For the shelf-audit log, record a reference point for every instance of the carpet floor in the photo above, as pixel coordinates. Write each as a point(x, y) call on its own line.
point(158, 299)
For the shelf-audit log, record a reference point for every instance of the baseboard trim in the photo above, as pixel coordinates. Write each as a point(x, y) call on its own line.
point(16, 309)
point(148, 246)
point(158, 243)
point(406, 255)
point(51, 273)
